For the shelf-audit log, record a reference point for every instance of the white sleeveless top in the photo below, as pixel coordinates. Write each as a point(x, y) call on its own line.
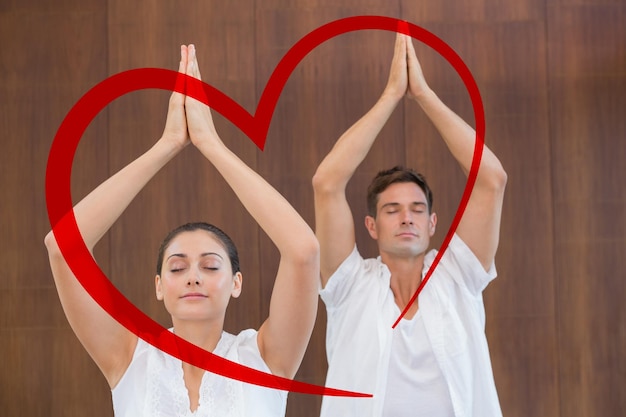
point(153, 385)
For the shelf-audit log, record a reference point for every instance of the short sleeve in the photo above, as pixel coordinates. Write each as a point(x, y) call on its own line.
point(342, 281)
point(248, 352)
point(473, 275)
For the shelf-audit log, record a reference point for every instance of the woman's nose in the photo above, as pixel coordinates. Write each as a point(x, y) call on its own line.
point(194, 277)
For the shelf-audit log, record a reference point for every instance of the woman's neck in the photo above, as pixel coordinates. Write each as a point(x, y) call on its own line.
point(201, 333)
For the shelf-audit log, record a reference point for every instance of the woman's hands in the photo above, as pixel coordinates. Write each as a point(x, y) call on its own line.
point(188, 120)
point(175, 131)
point(199, 120)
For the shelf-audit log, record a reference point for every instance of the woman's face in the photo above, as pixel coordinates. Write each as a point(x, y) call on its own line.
point(196, 280)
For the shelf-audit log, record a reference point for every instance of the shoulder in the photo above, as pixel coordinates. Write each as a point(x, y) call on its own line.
point(242, 348)
point(461, 264)
point(354, 275)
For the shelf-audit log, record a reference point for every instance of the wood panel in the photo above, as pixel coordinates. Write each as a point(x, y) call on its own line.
point(49, 56)
point(188, 189)
point(329, 90)
point(587, 107)
point(552, 77)
point(504, 47)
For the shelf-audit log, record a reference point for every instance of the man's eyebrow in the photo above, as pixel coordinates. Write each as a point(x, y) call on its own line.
point(389, 204)
point(394, 204)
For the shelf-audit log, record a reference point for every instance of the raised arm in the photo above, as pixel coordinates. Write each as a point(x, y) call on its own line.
point(480, 226)
point(334, 225)
point(285, 334)
point(110, 344)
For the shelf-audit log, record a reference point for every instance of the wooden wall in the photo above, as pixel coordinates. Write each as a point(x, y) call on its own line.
point(552, 74)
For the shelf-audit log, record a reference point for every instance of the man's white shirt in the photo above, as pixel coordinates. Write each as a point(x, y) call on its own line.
point(361, 311)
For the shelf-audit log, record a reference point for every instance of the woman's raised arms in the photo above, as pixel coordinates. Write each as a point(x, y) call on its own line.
point(109, 344)
point(285, 334)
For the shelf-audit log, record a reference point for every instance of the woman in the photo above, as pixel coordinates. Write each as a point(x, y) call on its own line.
point(197, 273)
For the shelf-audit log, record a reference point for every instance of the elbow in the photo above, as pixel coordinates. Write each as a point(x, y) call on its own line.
point(324, 182)
point(311, 249)
point(500, 179)
point(496, 179)
point(51, 244)
point(319, 181)
point(307, 252)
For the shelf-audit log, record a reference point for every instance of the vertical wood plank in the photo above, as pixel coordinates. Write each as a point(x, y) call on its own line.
point(50, 54)
point(587, 106)
point(189, 188)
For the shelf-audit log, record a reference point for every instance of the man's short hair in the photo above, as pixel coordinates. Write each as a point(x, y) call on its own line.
point(397, 174)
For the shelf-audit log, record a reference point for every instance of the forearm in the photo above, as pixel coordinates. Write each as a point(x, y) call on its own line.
point(459, 137)
point(96, 213)
point(280, 221)
point(337, 168)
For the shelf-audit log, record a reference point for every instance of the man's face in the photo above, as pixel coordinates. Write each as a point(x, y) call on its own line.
point(402, 227)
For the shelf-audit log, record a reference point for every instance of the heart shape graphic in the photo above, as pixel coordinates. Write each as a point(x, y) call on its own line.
point(63, 149)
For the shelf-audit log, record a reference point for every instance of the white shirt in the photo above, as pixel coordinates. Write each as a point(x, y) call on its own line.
point(415, 384)
point(153, 385)
point(361, 310)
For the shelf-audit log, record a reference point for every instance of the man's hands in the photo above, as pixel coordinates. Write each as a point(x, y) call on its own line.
point(417, 83)
point(405, 75)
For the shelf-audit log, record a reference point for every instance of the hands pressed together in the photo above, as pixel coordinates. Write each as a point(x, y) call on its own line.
point(405, 76)
point(189, 120)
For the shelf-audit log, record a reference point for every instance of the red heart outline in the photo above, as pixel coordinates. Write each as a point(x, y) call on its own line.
point(63, 149)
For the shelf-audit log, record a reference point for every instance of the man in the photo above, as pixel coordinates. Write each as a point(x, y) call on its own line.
point(436, 362)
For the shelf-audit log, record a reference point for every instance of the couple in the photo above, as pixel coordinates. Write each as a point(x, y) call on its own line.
point(435, 363)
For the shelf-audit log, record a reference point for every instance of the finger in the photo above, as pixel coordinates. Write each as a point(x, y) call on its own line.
point(190, 60)
point(193, 58)
point(399, 47)
point(182, 68)
point(179, 87)
point(410, 49)
point(412, 60)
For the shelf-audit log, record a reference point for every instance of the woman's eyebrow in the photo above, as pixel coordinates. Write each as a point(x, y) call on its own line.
point(184, 255)
point(211, 253)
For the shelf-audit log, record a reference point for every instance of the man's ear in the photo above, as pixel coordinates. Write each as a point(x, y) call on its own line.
point(432, 224)
point(370, 225)
point(157, 286)
point(237, 284)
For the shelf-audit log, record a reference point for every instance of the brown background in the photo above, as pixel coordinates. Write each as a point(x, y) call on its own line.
point(552, 74)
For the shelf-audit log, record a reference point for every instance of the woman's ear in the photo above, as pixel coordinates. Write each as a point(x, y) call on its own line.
point(237, 284)
point(158, 288)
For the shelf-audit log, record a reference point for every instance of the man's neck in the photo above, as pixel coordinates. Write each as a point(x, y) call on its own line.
point(406, 276)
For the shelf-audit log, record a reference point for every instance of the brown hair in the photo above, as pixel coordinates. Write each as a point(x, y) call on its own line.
point(397, 174)
point(224, 239)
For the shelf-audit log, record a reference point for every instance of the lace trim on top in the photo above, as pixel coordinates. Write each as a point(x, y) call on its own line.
point(167, 394)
